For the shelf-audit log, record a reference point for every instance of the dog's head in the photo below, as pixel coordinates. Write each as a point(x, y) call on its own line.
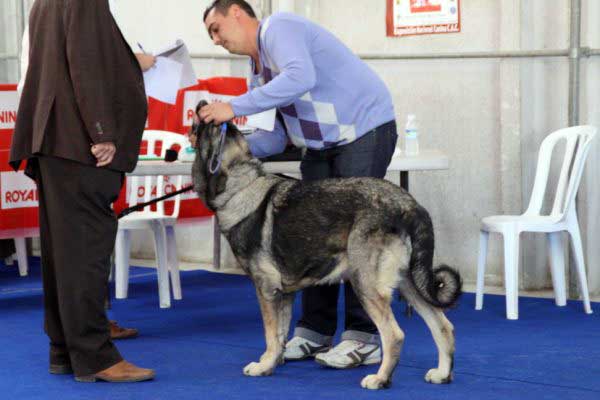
point(218, 149)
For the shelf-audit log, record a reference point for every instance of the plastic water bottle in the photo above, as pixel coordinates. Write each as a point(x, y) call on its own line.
point(411, 136)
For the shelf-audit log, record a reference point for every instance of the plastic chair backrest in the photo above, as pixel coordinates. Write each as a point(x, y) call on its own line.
point(578, 140)
point(167, 140)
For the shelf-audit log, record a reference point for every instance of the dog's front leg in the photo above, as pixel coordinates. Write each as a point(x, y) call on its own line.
point(285, 318)
point(269, 306)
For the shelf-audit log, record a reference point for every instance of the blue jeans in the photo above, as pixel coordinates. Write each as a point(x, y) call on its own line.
point(369, 156)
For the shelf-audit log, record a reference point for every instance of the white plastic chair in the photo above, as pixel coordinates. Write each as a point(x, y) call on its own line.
point(161, 225)
point(563, 217)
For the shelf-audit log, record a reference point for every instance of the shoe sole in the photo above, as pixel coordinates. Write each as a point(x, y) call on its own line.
point(92, 379)
point(349, 366)
point(60, 369)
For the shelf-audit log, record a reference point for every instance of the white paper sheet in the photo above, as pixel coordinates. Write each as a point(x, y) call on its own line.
point(264, 120)
point(162, 81)
point(179, 52)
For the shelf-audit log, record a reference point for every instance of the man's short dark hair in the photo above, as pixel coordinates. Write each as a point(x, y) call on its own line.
point(222, 6)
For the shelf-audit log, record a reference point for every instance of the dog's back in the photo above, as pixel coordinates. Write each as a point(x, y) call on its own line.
point(313, 222)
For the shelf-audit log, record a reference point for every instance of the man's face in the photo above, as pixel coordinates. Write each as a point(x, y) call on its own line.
point(225, 30)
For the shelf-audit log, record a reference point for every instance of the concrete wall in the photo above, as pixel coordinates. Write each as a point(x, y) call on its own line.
point(488, 115)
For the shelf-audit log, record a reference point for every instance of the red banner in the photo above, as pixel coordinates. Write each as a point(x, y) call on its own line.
point(18, 206)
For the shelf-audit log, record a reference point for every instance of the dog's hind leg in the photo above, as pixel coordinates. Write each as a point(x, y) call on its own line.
point(377, 306)
point(441, 329)
point(374, 260)
point(270, 305)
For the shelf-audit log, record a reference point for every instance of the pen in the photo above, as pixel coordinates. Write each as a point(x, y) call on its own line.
point(141, 48)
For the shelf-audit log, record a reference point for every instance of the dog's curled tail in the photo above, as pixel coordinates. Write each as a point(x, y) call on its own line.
point(441, 286)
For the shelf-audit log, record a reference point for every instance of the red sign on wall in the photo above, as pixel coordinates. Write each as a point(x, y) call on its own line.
point(422, 17)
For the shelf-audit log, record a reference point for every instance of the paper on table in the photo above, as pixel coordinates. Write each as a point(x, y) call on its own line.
point(179, 52)
point(264, 120)
point(162, 81)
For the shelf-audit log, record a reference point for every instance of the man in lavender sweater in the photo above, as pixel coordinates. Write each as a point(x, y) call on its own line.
point(330, 103)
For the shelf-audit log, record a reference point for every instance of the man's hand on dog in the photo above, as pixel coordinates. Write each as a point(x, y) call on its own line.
point(104, 153)
point(217, 113)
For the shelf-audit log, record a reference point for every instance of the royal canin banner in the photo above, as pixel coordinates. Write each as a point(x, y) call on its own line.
point(18, 205)
point(18, 201)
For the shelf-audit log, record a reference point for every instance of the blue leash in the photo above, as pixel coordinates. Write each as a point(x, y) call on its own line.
point(219, 154)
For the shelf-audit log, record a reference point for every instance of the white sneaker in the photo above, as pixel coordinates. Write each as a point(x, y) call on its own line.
point(350, 354)
point(299, 348)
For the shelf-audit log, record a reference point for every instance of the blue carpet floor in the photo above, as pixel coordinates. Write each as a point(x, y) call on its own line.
point(200, 345)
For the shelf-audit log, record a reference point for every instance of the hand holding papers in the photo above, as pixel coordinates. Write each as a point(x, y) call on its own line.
point(178, 52)
point(173, 71)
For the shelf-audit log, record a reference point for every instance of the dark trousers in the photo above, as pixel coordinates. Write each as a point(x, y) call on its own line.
point(368, 156)
point(77, 236)
point(7, 248)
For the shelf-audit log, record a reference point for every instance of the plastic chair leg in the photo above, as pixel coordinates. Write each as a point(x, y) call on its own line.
point(511, 273)
point(483, 244)
point(580, 264)
point(216, 244)
point(122, 247)
point(557, 267)
point(173, 262)
point(21, 248)
point(162, 270)
point(111, 275)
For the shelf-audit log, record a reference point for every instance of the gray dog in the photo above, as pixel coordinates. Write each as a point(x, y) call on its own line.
point(288, 234)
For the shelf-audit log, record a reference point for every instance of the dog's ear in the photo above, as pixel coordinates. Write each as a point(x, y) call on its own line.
point(241, 141)
point(237, 149)
point(213, 137)
point(208, 184)
point(200, 175)
point(201, 104)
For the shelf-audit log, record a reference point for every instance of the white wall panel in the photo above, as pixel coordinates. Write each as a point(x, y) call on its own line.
point(488, 115)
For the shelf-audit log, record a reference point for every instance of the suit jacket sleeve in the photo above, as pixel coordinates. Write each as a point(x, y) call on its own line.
point(91, 56)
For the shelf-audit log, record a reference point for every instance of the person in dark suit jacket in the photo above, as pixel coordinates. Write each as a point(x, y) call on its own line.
point(79, 126)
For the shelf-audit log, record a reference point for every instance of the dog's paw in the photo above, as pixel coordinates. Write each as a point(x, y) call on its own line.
point(257, 369)
point(436, 376)
point(374, 382)
point(266, 358)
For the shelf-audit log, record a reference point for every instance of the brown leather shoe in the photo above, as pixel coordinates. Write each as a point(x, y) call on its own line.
point(117, 332)
point(122, 371)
